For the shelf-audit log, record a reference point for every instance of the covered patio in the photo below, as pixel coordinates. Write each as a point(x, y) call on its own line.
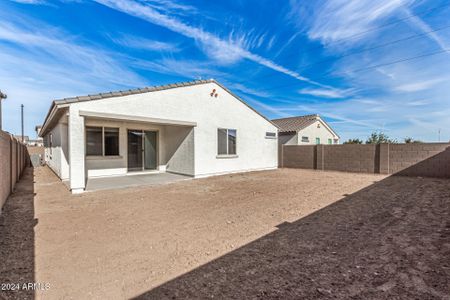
point(126, 181)
point(125, 150)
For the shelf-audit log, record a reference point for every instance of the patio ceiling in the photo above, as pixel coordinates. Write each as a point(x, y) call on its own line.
point(134, 118)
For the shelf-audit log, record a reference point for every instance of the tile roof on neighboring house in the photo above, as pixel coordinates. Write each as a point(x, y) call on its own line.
point(293, 124)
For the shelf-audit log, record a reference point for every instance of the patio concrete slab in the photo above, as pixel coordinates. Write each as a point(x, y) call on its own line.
point(118, 182)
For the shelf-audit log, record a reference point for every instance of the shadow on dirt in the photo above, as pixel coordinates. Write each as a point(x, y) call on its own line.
point(17, 240)
point(389, 240)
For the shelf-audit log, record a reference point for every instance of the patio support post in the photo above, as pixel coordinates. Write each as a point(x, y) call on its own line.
point(76, 151)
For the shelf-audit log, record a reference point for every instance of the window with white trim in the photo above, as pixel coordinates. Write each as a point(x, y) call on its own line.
point(305, 139)
point(226, 141)
point(102, 141)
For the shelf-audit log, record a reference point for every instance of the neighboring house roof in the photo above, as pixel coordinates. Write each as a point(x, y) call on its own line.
point(64, 102)
point(19, 137)
point(295, 124)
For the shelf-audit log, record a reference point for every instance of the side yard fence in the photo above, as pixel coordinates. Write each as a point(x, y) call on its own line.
point(415, 159)
point(13, 159)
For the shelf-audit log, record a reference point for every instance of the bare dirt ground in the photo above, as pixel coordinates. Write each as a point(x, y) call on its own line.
point(275, 234)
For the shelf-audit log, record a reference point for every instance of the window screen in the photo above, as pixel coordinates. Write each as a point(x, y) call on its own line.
point(111, 141)
point(94, 141)
point(226, 141)
point(222, 141)
point(231, 141)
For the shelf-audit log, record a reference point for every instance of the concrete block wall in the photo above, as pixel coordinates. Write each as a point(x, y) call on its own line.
point(428, 160)
point(421, 159)
point(13, 160)
point(348, 158)
point(295, 156)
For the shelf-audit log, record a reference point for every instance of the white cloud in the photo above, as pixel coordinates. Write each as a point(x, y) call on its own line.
point(326, 93)
point(419, 23)
point(275, 112)
point(144, 44)
point(29, 1)
point(39, 63)
point(223, 51)
point(190, 69)
point(418, 103)
point(420, 85)
point(51, 48)
point(341, 19)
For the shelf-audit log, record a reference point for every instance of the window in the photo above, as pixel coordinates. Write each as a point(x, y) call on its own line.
point(317, 141)
point(330, 142)
point(226, 141)
point(111, 141)
point(305, 139)
point(102, 141)
point(271, 135)
point(94, 136)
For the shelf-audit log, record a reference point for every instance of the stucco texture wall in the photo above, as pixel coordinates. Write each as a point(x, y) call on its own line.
point(56, 154)
point(190, 104)
point(174, 143)
point(316, 130)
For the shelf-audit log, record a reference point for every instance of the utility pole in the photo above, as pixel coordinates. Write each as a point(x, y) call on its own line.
point(439, 135)
point(21, 116)
point(2, 96)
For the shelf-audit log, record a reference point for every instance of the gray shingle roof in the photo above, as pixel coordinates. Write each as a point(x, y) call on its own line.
point(57, 103)
point(130, 92)
point(293, 124)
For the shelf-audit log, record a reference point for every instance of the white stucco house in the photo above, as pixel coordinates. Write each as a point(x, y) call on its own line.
point(305, 130)
point(196, 128)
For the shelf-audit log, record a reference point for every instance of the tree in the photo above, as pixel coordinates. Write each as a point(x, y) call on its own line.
point(353, 141)
point(379, 138)
point(409, 140)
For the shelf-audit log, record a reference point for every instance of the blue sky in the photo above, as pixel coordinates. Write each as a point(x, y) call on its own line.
point(362, 65)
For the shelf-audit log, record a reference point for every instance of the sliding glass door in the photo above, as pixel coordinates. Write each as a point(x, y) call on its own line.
point(142, 150)
point(135, 150)
point(149, 150)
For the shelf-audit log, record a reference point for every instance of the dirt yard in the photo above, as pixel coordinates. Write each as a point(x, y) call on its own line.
point(273, 234)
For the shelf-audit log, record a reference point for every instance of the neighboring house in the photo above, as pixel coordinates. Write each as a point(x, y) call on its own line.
point(39, 142)
point(25, 139)
point(35, 143)
point(30, 142)
point(305, 130)
point(196, 128)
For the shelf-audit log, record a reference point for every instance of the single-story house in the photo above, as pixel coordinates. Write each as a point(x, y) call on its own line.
point(197, 128)
point(305, 130)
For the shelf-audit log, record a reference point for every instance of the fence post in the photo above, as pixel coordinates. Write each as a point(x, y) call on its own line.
point(384, 159)
point(17, 161)
point(10, 166)
point(320, 157)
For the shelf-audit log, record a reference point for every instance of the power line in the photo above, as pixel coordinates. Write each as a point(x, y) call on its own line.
point(375, 47)
point(365, 68)
point(339, 41)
